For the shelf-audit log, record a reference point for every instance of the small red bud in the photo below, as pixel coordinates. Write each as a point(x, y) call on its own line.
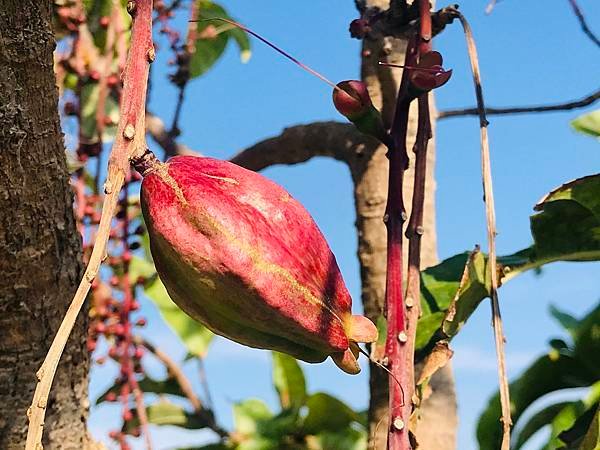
point(94, 75)
point(114, 280)
point(111, 397)
point(104, 21)
point(359, 28)
point(126, 257)
point(127, 416)
point(114, 434)
point(352, 98)
point(141, 322)
point(139, 352)
point(91, 345)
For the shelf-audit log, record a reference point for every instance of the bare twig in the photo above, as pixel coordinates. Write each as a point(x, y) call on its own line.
point(491, 230)
point(566, 106)
point(140, 409)
point(583, 23)
point(129, 142)
point(173, 370)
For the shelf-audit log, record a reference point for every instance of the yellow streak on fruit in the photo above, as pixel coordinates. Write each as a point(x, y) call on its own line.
point(256, 257)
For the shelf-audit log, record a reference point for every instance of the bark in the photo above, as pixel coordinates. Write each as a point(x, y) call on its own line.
point(40, 249)
point(437, 427)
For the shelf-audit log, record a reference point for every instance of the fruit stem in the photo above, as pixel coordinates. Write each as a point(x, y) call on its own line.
point(129, 142)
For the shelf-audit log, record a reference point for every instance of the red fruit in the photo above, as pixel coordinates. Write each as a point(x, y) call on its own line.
point(239, 254)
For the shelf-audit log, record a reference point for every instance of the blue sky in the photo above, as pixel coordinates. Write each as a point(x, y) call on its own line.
point(530, 52)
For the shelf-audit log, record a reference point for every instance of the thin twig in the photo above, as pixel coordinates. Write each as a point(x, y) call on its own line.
point(184, 383)
point(204, 381)
point(140, 409)
point(565, 106)
point(129, 141)
point(174, 370)
point(491, 231)
point(583, 23)
point(414, 231)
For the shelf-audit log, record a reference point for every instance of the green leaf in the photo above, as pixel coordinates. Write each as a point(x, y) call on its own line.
point(567, 321)
point(247, 415)
point(90, 93)
point(539, 420)
point(148, 385)
point(566, 227)
point(195, 336)
point(327, 413)
point(289, 381)
point(345, 439)
point(165, 412)
point(211, 46)
point(581, 427)
point(553, 372)
point(141, 267)
point(588, 123)
point(208, 447)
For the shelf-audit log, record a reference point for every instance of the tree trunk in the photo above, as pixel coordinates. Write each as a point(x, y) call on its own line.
point(437, 427)
point(40, 248)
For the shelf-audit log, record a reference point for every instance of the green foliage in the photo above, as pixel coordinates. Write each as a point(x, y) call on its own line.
point(588, 123)
point(289, 381)
point(165, 412)
point(575, 365)
point(565, 227)
point(90, 93)
point(148, 385)
point(194, 335)
point(213, 37)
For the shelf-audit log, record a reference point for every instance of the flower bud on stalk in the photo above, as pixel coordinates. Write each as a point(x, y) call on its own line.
point(236, 252)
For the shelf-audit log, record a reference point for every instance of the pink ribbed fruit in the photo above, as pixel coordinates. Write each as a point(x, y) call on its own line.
point(239, 254)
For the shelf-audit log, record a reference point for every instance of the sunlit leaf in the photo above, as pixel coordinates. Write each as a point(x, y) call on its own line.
point(195, 336)
point(327, 413)
point(289, 381)
point(588, 123)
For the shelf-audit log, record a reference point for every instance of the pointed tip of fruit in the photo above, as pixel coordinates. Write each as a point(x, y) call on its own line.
point(347, 360)
point(351, 98)
point(361, 329)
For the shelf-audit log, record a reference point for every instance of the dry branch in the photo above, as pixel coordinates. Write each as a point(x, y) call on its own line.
point(491, 231)
point(583, 23)
point(129, 142)
point(565, 106)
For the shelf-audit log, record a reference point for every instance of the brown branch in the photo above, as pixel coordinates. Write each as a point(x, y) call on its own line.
point(566, 106)
point(300, 143)
point(184, 383)
point(583, 23)
point(491, 231)
point(129, 142)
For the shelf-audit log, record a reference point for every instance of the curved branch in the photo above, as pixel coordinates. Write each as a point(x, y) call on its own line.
point(583, 23)
point(300, 143)
point(566, 106)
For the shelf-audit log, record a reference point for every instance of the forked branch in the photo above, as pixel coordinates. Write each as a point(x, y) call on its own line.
point(129, 142)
